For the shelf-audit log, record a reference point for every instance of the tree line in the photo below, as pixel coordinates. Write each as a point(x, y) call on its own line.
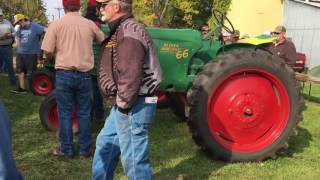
point(30, 8)
point(175, 13)
point(178, 13)
point(157, 13)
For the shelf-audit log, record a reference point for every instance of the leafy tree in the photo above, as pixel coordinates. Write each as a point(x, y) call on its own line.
point(11, 8)
point(84, 6)
point(165, 13)
point(178, 13)
point(222, 6)
point(30, 8)
point(39, 12)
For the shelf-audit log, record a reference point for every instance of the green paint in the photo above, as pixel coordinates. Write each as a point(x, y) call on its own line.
point(182, 54)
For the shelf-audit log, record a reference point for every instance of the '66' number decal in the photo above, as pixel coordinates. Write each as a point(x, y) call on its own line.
point(182, 54)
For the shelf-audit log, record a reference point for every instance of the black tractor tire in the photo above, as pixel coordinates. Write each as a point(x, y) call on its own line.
point(178, 103)
point(233, 121)
point(49, 116)
point(41, 82)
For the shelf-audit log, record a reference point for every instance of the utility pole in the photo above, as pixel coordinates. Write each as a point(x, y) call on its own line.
point(59, 9)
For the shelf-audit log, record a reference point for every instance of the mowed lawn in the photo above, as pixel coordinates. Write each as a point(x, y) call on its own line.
point(173, 152)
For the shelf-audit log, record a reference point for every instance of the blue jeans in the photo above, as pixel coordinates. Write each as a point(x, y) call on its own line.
point(125, 135)
point(8, 169)
point(98, 108)
point(7, 62)
point(73, 86)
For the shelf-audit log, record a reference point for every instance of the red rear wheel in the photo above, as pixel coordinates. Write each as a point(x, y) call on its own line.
point(248, 110)
point(244, 106)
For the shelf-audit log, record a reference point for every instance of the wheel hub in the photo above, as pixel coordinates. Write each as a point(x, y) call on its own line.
point(244, 111)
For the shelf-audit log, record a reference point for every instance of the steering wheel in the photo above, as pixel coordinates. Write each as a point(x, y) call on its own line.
point(221, 19)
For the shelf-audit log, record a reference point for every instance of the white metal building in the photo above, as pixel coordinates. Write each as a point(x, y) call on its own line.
point(302, 20)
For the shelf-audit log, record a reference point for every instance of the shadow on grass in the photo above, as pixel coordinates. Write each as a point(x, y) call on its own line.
point(174, 153)
point(312, 98)
point(297, 144)
point(197, 167)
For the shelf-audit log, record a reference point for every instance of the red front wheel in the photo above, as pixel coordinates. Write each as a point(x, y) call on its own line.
point(41, 82)
point(162, 100)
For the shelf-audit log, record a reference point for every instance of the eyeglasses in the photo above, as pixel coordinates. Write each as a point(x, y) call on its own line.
point(103, 5)
point(275, 33)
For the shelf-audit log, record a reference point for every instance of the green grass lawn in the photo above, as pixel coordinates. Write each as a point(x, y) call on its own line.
point(173, 152)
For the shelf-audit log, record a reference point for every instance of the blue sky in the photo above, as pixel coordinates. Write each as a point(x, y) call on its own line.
point(51, 6)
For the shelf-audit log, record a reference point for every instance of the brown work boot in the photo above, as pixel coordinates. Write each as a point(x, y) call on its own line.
point(87, 154)
point(57, 152)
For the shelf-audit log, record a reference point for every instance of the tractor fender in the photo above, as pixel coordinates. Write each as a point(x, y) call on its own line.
point(235, 46)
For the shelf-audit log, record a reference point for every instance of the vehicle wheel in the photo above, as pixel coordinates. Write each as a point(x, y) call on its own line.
point(162, 100)
point(178, 104)
point(49, 115)
point(41, 82)
point(244, 106)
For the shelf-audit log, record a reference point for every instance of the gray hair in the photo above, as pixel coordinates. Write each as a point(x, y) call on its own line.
point(125, 7)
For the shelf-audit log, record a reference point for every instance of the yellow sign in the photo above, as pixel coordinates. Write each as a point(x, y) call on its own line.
point(170, 47)
point(182, 54)
point(175, 48)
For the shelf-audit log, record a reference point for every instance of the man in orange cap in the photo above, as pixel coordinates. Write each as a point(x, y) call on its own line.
point(71, 37)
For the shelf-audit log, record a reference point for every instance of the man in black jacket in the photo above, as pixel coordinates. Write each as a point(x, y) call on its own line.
point(283, 48)
point(129, 74)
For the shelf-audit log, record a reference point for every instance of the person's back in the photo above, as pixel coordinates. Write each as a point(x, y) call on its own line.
point(74, 42)
point(71, 38)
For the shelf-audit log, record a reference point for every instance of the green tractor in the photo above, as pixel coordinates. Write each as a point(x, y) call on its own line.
point(240, 102)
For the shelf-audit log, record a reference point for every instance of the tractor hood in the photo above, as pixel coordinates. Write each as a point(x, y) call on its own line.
point(264, 39)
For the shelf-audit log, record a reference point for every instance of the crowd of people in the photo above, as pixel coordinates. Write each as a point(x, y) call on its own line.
point(126, 72)
point(128, 75)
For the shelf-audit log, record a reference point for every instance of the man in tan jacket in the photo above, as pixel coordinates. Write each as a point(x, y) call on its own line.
point(71, 37)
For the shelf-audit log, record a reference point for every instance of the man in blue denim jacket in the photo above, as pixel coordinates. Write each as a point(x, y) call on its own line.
point(129, 74)
point(8, 170)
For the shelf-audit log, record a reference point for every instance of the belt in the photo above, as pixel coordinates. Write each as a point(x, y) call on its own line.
point(143, 95)
point(71, 70)
point(147, 95)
